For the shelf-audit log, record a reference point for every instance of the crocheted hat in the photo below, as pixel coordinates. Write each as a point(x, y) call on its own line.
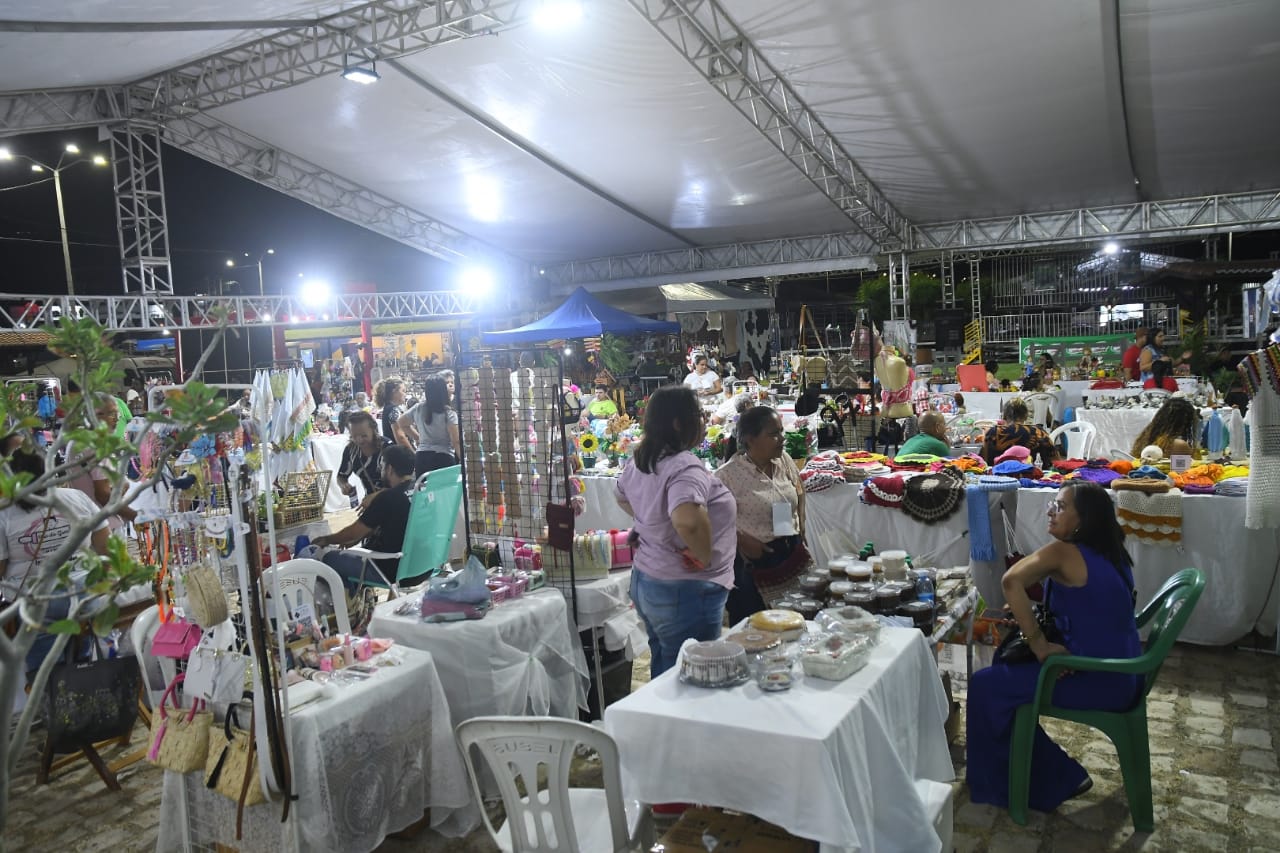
point(932, 497)
point(883, 491)
point(1022, 454)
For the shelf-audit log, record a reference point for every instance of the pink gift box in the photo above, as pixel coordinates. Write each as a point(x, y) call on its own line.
point(622, 552)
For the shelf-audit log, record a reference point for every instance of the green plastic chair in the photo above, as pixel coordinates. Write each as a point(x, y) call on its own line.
point(433, 513)
point(1168, 613)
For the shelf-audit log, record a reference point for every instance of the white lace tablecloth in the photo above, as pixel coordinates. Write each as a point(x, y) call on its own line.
point(1239, 564)
point(366, 763)
point(859, 745)
point(523, 657)
point(1118, 429)
point(838, 523)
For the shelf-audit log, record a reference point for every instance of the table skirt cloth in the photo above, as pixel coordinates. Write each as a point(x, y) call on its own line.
point(1118, 429)
point(859, 745)
point(367, 762)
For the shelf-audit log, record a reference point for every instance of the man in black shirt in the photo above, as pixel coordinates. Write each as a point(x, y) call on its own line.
point(362, 455)
point(380, 527)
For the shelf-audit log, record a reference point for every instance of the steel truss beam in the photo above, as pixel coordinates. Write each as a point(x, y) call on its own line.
point(140, 210)
point(224, 145)
point(58, 109)
point(947, 262)
point(826, 253)
point(899, 287)
point(23, 312)
point(723, 54)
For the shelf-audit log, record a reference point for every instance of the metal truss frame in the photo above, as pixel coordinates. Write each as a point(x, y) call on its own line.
point(783, 256)
point(141, 223)
point(899, 287)
point(948, 276)
point(131, 313)
point(210, 139)
point(45, 110)
point(722, 53)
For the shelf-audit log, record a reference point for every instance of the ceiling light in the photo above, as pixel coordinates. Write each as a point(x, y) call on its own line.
point(476, 279)
point(99, 160)
point(360, 69)
point(72, 148)
point(557, 14)
point(36, 167)
point(165, 332)
point(1111, 248)
point(315, 293)
point(6, 154)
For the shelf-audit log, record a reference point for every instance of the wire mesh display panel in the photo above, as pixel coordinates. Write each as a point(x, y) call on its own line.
point(516, 457)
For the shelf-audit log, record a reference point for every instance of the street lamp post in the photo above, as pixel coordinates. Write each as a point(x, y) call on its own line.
point(56, 171)
point(261, 287)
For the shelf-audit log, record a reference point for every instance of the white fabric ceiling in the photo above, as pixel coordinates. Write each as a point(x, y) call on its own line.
point(955, 110)
point(685, 298)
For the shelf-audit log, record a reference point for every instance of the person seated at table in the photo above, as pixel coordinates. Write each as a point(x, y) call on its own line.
point(362, 456)
point(732, 408)
point(1174, 428)
point(771, 554)
point(1088, 578)
point(685, 529)
point(703, 382)
point(1160, 378)
point(1153, 352)
point(993, 382)
point(380, 526)
point(931, 439)
point(601, 406)
point(1016, 431)
point(432, 426)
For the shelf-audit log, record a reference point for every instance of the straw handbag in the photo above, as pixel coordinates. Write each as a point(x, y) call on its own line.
point(232, 765)
point(206, 600)
point(179, 738)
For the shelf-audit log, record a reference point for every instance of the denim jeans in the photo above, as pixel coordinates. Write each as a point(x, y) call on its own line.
point(675, 611)
point(351, 567)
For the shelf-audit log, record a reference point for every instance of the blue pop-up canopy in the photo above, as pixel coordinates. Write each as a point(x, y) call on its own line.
point(581, 316)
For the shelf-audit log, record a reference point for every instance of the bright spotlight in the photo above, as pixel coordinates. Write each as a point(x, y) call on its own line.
point(6, 154)
point(230, 262)
point(477, 279)
point(568, 350)
point(72, 148)
point(315, 293)
point(99, 160)
point(557, 14)
point(1111, 248)
point(165, 332)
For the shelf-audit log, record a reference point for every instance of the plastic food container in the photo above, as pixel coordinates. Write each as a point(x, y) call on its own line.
point(839, 589)
point(895, 564)
point(852, 620)
point(809, 607)
point(859, 572)
point(888, 599)
point(864, 600)
point(835, 657)
point(921, 613)
point(713, 664)
point(814, 585)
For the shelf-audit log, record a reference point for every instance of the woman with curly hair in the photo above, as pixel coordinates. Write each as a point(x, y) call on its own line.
point(389, 396)
point(1176, 421)
point(1016, 431)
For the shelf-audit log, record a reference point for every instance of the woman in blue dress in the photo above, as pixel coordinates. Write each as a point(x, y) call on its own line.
point(1087, 576)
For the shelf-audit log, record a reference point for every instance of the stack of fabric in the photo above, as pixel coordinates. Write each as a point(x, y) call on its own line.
point(1234, 487)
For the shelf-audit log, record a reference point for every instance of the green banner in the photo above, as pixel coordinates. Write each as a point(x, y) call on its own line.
point(1066, 351)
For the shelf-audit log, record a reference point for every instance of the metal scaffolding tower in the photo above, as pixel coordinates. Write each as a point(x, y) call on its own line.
point(948, 264)
point(140, 211)
point(899, 287)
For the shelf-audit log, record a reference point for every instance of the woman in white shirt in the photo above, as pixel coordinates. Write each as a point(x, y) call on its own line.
point(703, 382)
point(432, 426)
point(30, 533)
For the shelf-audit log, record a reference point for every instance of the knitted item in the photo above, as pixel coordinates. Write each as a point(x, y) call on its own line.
point(1262, 378)
point(883, 491)
point(1101, 476)
point(1124, 484)
point(981, 544)
point(1066, 466)
point(933, 497)
point(1121, 467)
point(1017, 452)
point(1155, 519)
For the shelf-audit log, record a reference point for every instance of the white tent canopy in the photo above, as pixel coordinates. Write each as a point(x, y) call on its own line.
point(555, 147)
point(689, 297)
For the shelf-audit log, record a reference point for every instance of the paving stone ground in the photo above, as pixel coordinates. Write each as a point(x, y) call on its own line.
point(1214, 725)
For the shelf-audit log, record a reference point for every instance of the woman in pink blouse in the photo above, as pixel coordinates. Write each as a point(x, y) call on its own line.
point(766, 485)
point(685, 522)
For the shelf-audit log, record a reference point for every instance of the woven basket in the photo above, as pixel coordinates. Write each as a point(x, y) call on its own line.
point(241, 758)
point(184, 740)
point(206, 600)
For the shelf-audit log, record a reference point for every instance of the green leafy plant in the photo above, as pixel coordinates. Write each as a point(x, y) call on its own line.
point(194, 412)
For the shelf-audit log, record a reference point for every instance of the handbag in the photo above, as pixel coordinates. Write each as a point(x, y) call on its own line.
point(206, 600)
point(215, 674)
point(559, 516)
point(85, 702)
point(179, 738)
point(232, 765)
point(1014, 648)
point(176, 639)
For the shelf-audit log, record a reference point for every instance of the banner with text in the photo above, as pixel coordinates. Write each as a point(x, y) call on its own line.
point(1068, 350)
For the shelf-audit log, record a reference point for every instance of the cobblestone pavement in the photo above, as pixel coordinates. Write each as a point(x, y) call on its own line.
point(1214, 728)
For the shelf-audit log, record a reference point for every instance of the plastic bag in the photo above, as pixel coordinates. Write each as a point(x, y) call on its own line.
point(466, 587)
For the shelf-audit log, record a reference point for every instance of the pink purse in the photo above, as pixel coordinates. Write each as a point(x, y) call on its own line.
point(622, 553)
point(176, 640)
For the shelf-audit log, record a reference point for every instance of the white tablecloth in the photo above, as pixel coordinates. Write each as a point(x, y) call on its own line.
point(367, 762)
point(831, 761)
point(326, 450)
point(1239, 564)
point(1119, 428)
point(989, 405)
point(523, 657)
point(602, 511)
point(605, 604)
point(837, 523)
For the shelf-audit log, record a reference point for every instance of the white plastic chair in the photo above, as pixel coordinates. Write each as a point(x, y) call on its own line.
point(298, 577)
point(1080, 436)
point(156, 672)
point(1116, 453)
point(535, 753)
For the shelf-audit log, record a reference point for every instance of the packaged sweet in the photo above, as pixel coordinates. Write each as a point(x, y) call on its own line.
point(787, 624)
point(718, 663)
point(850, 620)
point(755, 641)
point(835, 657)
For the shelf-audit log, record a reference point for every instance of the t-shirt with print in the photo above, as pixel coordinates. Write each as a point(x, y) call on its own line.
point(677, 480)
point(434, 436)
point(387, 516)
point(23, 531)
point(756, 493)
point(367, 468)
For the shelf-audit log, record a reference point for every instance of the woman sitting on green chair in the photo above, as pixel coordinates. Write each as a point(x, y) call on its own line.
point(1088, 581)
